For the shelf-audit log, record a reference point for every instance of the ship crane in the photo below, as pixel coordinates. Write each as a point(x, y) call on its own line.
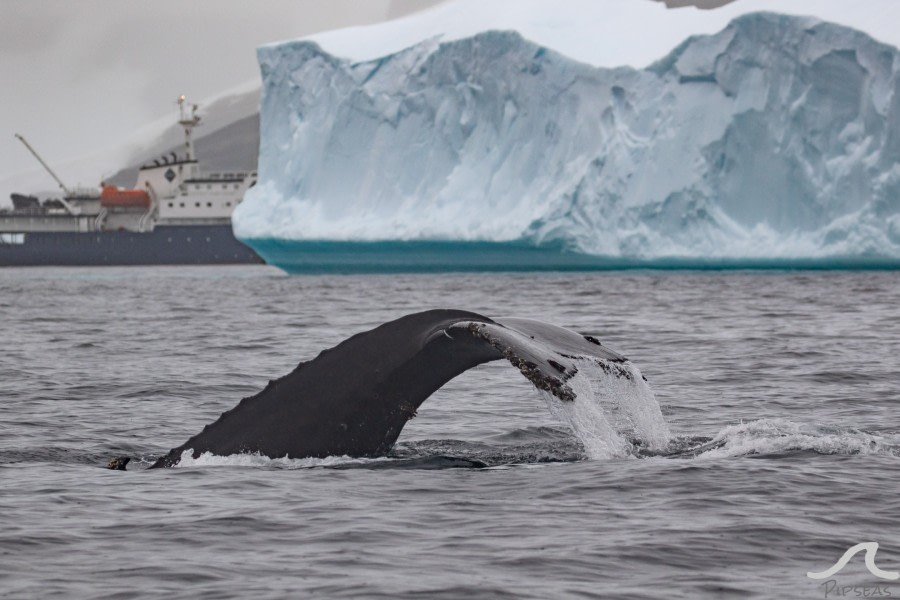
point(66, 191)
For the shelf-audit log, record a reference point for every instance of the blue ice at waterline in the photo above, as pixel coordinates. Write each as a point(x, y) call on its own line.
point(331, 257)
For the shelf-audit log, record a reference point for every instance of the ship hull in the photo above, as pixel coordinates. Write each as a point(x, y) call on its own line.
point(165, 245)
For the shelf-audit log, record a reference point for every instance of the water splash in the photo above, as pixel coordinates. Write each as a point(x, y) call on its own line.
point(614, 408)
point(776, 436)
point(208, 459)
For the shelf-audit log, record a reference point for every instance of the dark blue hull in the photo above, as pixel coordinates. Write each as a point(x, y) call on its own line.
point(166, 245)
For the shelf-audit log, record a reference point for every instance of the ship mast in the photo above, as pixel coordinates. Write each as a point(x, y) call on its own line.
point(189, 119)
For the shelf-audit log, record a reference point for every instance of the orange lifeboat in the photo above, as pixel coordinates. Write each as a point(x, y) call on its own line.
point(113, 197)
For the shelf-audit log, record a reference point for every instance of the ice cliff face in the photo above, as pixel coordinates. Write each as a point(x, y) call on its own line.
point(777, 137)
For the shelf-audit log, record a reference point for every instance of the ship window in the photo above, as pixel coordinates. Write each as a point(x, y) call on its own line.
point(197, 204)
point(181, 204)
point(236, 186)
point(224, 186)
point(228, 204)
point(170, 205)
point(17, 238)
point(209, 204)
point(209, 186)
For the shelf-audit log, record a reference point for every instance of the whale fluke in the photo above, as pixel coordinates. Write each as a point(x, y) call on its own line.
point(355, 398)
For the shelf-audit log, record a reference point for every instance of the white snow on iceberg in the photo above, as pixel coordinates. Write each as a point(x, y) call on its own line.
point(777, 137)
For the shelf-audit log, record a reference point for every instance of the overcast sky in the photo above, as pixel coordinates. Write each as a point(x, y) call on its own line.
point(79, 73)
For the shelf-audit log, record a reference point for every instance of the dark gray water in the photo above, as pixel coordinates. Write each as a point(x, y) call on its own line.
point(793, 376)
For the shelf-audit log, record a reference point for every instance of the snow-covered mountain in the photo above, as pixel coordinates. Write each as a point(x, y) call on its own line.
point(777, 137)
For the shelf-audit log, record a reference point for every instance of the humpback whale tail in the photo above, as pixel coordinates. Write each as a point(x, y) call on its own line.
point(354, 399)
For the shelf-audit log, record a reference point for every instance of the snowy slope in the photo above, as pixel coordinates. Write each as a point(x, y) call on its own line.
point(778, 136)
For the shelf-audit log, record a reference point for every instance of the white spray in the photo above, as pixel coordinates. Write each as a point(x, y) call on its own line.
point(611, 408)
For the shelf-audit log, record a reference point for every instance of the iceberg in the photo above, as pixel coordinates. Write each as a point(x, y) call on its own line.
point(775, 141)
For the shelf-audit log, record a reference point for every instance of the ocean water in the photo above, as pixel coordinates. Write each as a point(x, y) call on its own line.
point(780, 391)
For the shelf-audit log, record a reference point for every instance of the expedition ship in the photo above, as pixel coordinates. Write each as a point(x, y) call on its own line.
point(175, 215)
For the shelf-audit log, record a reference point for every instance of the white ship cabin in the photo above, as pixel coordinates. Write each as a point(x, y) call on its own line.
point(181, 193)
point(214, 195)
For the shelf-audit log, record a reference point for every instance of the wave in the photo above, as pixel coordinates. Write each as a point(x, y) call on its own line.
point(774, 437)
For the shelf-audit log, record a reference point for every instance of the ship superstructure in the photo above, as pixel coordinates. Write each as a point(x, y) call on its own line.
point(175, 214)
